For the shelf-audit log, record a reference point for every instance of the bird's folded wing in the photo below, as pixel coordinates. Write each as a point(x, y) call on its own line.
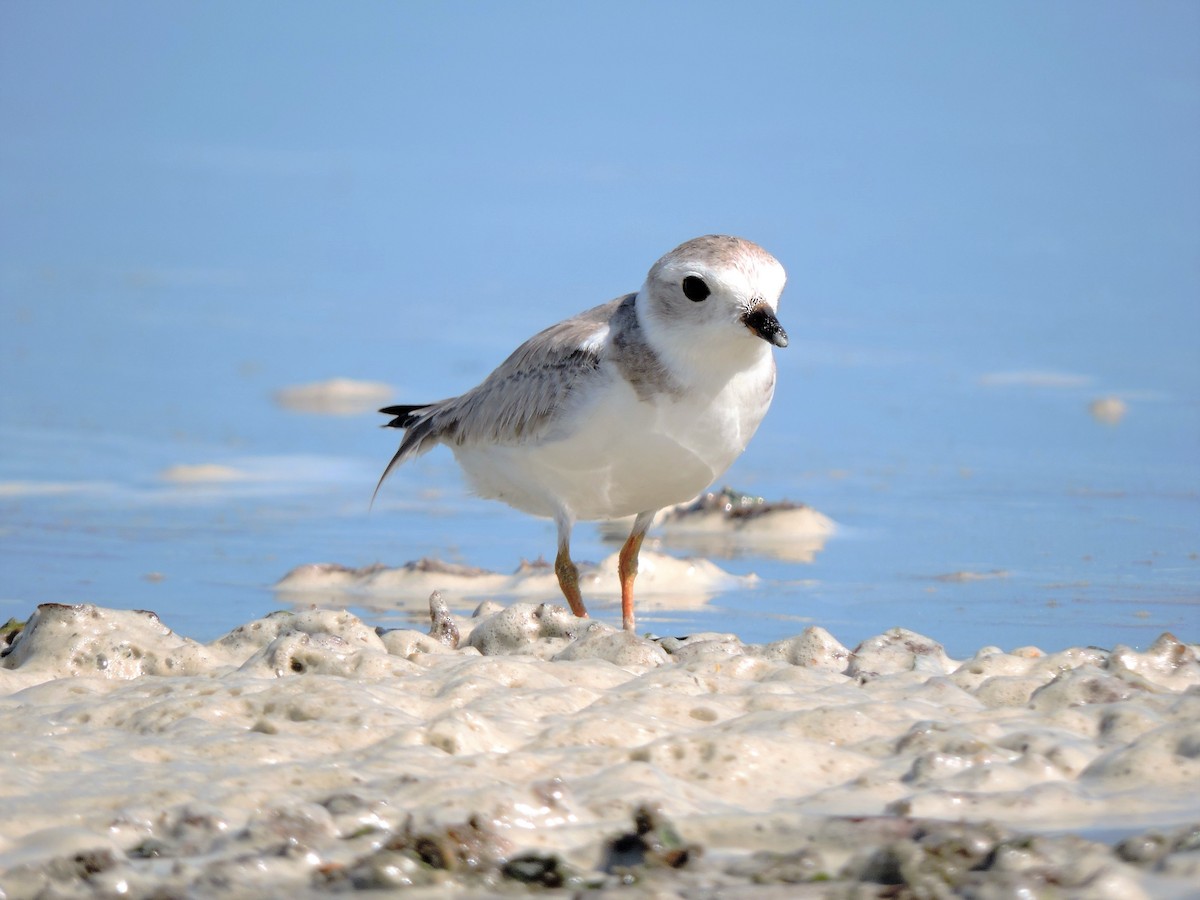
point(523, 397)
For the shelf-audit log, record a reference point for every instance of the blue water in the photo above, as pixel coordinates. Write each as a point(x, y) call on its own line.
point(202, 205)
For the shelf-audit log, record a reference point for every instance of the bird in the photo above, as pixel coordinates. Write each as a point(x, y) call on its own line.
point(624, 409)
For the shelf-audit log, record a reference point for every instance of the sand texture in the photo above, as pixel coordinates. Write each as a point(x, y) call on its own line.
point(523, 749)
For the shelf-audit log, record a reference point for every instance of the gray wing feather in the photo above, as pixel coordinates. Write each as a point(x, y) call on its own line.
point(520, 400)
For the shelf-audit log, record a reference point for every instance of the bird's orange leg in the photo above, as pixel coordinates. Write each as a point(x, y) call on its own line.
point(568, 580)
point(627, 566)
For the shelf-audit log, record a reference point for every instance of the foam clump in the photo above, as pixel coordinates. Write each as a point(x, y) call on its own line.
point(621, 648)
point(262, 632)
point(673, 582)
point(308, 752)
point(336, 396)
point(899, 650)
point(540, 629)
point(61, 640)
point(729, 523)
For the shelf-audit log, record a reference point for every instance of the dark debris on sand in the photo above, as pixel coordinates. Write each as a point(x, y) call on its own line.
point(877, 856)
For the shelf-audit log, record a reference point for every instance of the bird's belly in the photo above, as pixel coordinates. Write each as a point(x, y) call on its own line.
point(620, 455)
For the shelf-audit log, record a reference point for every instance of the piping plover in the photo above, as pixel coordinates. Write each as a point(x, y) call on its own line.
point(624, 409)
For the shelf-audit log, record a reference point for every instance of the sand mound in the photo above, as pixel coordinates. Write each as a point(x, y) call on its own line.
point(309, 752)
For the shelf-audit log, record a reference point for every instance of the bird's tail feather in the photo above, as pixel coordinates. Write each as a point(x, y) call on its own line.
point(404, 417)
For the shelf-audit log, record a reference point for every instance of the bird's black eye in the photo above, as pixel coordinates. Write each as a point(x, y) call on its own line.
point(695, 289)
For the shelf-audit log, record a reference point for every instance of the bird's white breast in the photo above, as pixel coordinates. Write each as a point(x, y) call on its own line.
point(616, 455)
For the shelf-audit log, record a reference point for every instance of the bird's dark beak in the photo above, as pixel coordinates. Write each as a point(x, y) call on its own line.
point(762, 322)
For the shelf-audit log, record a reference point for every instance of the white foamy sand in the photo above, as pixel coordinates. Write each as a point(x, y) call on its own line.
point(1108, 410)
point(729, 523)
point(202, 473)
point(306, 752)
point(721, 523)
point(335, 397)
point(666, 582)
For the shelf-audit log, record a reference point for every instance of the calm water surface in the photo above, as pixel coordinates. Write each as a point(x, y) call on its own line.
point(197, 216)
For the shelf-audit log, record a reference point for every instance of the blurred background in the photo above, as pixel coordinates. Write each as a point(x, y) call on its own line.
point(990, 216)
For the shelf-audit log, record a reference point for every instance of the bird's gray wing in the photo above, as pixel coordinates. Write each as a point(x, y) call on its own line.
point(522, 398)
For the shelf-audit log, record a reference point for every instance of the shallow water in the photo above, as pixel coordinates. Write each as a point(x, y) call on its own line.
point(1032, 523)
point(965, 284)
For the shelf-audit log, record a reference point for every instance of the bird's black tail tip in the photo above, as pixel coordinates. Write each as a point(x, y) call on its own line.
point(404, 415)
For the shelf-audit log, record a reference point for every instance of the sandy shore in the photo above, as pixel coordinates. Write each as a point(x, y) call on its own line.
point(307, 753)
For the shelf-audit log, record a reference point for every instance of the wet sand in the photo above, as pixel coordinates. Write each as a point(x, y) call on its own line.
point(309, 753)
